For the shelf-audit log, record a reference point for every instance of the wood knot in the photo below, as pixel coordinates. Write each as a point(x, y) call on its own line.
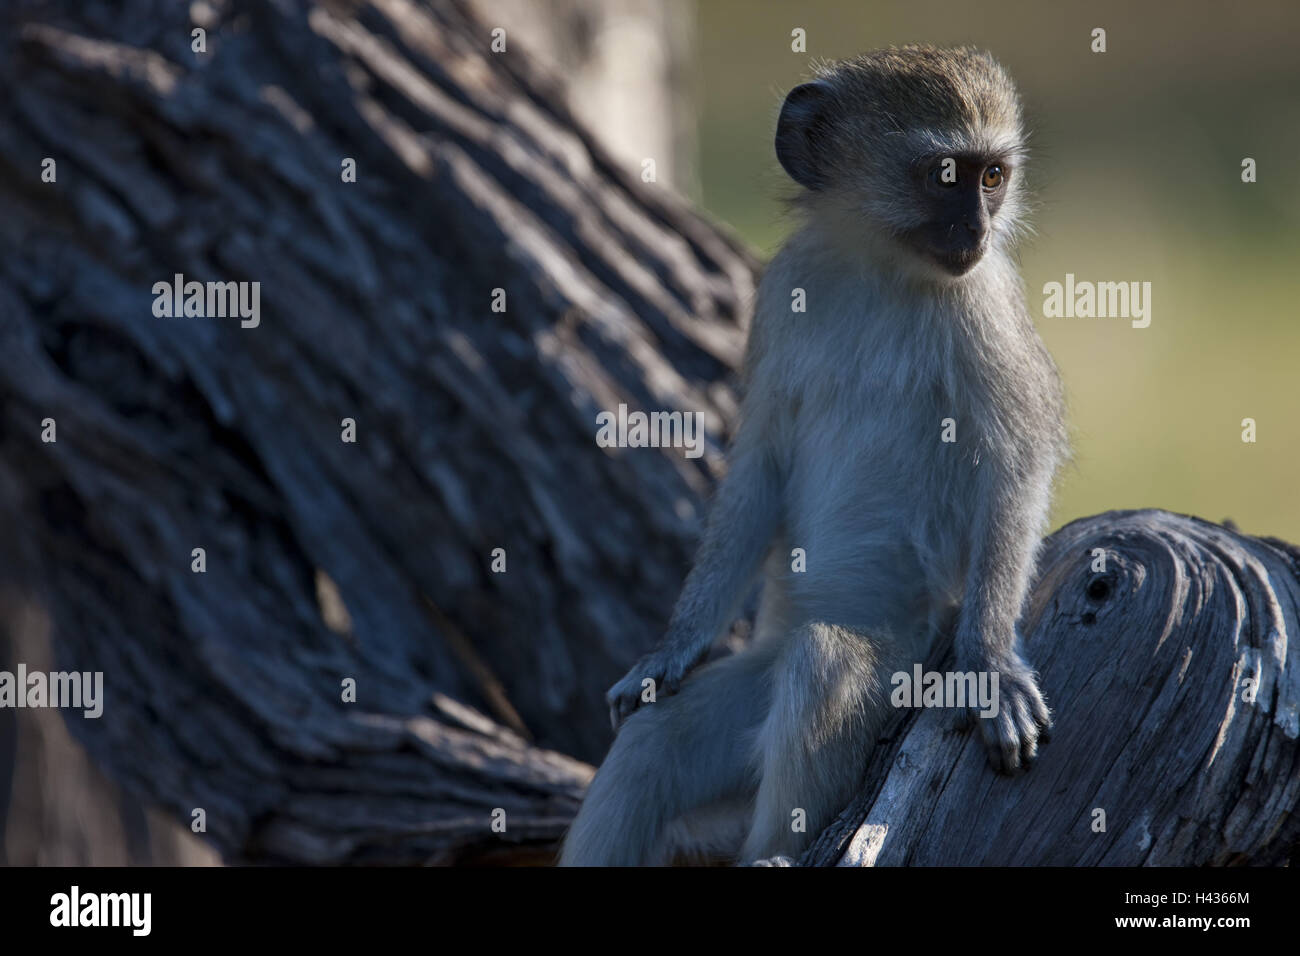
point(1100, 587)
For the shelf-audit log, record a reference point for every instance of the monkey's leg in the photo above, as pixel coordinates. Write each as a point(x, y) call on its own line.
point(681, 753)
point(829, 703)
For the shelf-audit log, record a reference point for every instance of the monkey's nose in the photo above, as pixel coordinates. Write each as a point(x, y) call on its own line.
point(976, 234)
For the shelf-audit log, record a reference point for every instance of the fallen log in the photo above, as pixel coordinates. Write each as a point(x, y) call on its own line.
point(1174, 675)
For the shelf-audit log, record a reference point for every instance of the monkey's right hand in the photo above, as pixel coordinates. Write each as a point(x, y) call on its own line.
point(659, 672)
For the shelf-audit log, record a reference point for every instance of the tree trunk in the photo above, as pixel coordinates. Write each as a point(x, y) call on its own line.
point(475, 428)
point(627, 68)
point(326, 561)
point(1174, 675)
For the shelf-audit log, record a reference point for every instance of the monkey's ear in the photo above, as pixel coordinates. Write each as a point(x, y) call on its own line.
point(802, 133)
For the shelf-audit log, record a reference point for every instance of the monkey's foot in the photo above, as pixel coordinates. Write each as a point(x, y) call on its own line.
point(1022, 722)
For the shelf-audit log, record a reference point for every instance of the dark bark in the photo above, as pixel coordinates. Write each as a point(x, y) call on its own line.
point(329, 560)
point(475, 428)
point(1147, 668)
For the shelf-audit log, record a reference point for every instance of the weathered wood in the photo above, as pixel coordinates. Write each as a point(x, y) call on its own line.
point(1149, 669)
point(370, 561)
point(328, 560)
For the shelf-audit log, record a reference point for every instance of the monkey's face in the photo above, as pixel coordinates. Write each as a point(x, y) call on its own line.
point(907, 156)
point(958, 199)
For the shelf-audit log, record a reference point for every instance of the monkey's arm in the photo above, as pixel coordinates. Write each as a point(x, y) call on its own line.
point(744, 516)
point(1005, 536)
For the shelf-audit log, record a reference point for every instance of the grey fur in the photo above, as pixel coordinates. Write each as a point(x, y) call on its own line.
point(838, 452)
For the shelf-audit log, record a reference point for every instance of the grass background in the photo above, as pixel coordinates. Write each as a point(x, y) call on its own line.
point(1136, 166)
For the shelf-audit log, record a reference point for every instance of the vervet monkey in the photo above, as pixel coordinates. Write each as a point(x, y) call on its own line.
point(903, 431)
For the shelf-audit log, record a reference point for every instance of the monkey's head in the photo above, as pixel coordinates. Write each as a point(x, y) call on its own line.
point(915, 148)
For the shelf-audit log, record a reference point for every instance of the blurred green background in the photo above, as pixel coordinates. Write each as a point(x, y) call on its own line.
point(1136, 167)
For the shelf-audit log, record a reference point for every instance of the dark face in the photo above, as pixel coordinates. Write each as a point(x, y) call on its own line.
point(961, 198)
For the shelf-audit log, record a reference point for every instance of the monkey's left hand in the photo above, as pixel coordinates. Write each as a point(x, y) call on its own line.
point(666, 666)
point(1023, 720)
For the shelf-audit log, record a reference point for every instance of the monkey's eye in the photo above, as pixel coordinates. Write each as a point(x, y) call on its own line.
point(992, 177)
point(945, 177)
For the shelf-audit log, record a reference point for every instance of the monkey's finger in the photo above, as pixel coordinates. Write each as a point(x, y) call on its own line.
point(1028, 732)
point(627, 705)
point(616, 714)
point(1045, 729)
point(620, 707)
point(1038, 721)
point(1042, 713)
point(1005, 748)
point(1028, 751)
point(1004, 756)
